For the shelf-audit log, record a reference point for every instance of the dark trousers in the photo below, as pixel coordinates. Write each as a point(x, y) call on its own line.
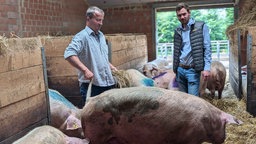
point(96, 90)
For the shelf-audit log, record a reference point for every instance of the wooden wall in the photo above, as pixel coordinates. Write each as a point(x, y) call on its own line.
point(23, 101)
point(234, 62)
point(243, 52)
point(126, 51)
point(61, 75)
point(251, 70)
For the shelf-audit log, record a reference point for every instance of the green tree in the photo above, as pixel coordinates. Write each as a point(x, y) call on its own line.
point(217, 20)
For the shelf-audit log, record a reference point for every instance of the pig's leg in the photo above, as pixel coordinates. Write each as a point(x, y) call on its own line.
point(220, 93)
point(221, 89)
point(212, 92)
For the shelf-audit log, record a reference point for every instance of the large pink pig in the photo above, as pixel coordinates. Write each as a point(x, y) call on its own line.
point(150, 115)
point(216, 80)
point(64, 115)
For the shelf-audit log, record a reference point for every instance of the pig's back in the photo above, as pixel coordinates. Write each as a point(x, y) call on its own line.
point(145, 115)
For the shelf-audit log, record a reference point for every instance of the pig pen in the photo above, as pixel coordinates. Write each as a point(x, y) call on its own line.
point(127, 45)
point(34, 94)
point(23, 98)
point(125, 51)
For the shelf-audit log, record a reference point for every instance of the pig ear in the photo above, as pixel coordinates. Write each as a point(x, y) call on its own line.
point(231, 119)
point(73, 123)
point(155, 68)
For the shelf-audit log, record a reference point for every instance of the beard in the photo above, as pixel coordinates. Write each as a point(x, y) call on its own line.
point(184, 21)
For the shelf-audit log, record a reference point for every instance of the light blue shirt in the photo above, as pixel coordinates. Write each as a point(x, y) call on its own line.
point(92, 50)
point(186, 55)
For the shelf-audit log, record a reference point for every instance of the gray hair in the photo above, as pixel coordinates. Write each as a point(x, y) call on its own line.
point(182, 5)
point(93, 9)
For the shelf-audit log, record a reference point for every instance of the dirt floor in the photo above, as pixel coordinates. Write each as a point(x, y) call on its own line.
point(235, 134)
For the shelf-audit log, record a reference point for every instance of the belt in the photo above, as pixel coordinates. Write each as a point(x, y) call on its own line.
point(187, 66)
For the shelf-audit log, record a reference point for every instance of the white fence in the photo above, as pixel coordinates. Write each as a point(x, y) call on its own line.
point(220, 50)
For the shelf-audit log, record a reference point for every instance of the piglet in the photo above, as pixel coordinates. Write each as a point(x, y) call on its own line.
point(152, 115)
point(216, 80)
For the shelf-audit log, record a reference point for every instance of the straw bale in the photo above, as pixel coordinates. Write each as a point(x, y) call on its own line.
point(246, 19)
point(3, 45)
point(9, 46)
point(247, 6)
point(122, 78)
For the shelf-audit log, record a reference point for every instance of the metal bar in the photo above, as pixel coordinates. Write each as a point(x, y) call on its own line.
point(218, 50)
point(167, 6)
point(219, 45)
point(46, 85)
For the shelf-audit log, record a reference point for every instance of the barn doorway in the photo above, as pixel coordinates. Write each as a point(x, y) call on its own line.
point(217, 19)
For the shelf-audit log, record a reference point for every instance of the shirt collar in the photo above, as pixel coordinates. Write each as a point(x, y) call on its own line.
point(91, 32)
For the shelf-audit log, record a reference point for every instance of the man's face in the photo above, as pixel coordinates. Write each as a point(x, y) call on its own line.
point(183, 16)
point(95, 22)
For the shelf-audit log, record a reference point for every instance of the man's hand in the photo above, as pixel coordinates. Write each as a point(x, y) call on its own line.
point(88, 74)
point(113, 68)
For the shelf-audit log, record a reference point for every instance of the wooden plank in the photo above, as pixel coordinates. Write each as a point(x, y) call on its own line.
point(124, 41)
point(234, 78)
point(20, 84)
point(251, 83)
point(58, 66)
point(66, 85)
point(120, 57)
point(20, 115)
point(133, 64)
point(116, 42)
point(233, 64)
point(55, 46)
point(252, 32)
point(76, 100)
point(15, 59)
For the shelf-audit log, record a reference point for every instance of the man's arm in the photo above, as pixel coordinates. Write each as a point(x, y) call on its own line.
point(207, 48)
point(207, 52)
point(74, 61)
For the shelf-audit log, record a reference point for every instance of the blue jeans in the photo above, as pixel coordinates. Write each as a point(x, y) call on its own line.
point(96, 90)
point(188, 80)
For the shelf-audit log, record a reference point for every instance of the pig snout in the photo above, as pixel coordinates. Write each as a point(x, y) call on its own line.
point(228, 118)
